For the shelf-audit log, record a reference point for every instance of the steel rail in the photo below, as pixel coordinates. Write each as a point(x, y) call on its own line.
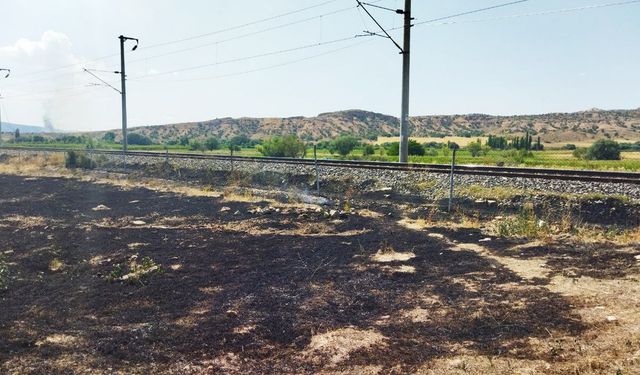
point(477, 170)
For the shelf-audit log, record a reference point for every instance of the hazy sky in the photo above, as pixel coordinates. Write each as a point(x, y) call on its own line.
point(483, 63)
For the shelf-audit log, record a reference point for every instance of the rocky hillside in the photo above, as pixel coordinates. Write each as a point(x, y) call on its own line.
point(555, 127)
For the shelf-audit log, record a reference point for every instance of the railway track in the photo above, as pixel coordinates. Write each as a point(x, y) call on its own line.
point(477, 170)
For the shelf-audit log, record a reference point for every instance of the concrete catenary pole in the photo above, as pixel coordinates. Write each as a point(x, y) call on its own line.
point(123, 94)
point(406, 69)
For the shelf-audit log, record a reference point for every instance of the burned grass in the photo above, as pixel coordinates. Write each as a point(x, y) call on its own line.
point(247, 292)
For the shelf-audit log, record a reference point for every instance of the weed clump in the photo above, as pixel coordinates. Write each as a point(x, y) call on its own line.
point(4, 274)
point(75, 159)
point(133, 271)
point(525, 224)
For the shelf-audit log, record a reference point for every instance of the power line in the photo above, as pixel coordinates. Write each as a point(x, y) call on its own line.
point(277, 27)
point(541, 13)
point(472, 12)
point(286, 63)
point(431, 22)
point(240, 26)
point(189, 38)
point(278, 52)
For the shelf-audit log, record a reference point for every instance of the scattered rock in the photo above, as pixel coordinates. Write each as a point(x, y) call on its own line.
point(138, 222)
point(488, 239)
point(225, 209)
point(611, 318)
point(101, 207)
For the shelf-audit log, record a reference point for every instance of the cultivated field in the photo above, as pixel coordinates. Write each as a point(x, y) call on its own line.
point(107, 275)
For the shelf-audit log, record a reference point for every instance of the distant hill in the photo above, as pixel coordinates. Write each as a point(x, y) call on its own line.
point(8, 127)
point(554, 127)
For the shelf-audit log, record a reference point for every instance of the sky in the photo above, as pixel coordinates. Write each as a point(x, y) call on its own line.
point(204, 59)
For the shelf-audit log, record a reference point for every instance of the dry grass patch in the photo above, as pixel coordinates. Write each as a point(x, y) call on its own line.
point(339, 344)
point(34, 163)
point(388, 254)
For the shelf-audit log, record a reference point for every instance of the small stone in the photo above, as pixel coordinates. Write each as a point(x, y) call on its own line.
point(237, 213)
point(333, 213)
point(488, 239)
point(101, 207)
point(611, 318)
point(436, 235)
point(232, 313)
point(138, 222)
point(225, 209)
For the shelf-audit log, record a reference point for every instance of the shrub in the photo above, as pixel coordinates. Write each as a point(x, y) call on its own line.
point(184, 140)
point(525, 224)
point(138, 139)
point(368, 150)
point(415, 148)
point(569, 146)
point(604, 149)
point(519, 156)
point(4, 274)
point(476, 149)
point(75, 159)
point(580, 153)
point(196, 145)
point(212, 143)
point(345, 144)
point(109, 137)
point(280, 147)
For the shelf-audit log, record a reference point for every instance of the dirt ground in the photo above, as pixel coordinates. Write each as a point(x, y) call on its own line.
point(243, 286)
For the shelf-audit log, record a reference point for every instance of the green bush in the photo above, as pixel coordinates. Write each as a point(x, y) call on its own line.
point(109, 137)
point(368, 149)
point(283, 147)
point(604, 149)
point(212, 143)
point(75, 159)
point(477, 149)
point(138, 139)
point(196, 145)
point(519, 156)
point(415, 148)
point(580, 153)
point(569, 146)
point(343, 145)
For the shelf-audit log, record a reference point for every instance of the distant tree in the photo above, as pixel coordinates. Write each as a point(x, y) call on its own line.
point(415, 148)
point(17, 134)
point(138, 139)
point(343, 145)
point(241, 140)
point(604, 149)
point(288, 146)
point(368, 149)
point(580, 153)
point(109, 137)
point(212, 143)
point(184, 140)
point(475, 148)
point(196, 145)
point(497, 143)
point(453, 145)
point(538, 146)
